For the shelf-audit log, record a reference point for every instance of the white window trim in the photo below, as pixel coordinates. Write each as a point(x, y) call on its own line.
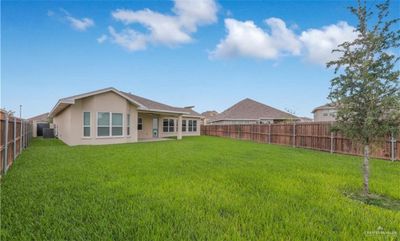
point(83, 125)
point(110, 125)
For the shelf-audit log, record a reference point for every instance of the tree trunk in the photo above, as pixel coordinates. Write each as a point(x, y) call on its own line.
point(366, 170)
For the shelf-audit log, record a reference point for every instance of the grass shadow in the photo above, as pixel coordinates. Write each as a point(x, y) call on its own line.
point(375, 200)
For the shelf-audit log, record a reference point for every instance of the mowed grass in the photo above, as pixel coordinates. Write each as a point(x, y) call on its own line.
point(200, 188)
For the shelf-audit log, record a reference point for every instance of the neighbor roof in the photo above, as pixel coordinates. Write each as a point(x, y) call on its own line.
point(209, 113)
point(325, 107)
point(249, 109)
point(41, 117)
point(142, 103)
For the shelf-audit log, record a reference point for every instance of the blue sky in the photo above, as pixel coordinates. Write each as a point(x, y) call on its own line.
point(212, 55)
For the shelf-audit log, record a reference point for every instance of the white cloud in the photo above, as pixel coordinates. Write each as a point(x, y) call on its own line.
point(102, 39)
point(129, 39)
point(64, 16)
point(80, 24)
point(246, 39)
point(166, 29)
point(319, 43)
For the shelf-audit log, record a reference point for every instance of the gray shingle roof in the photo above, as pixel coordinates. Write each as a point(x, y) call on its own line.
point(249, 109)
point(142, 103)
point(325, 107)
point(151, 104)
point(41, 117)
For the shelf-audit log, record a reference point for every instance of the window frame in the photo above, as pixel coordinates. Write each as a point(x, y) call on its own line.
point(194, 126)
point(190, 126)
point(168, 127)
point(110, 125)
point(184, 126)
point(140, 123)
point(86, 126)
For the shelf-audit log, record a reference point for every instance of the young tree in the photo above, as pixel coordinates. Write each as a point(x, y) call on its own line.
point(366, 86)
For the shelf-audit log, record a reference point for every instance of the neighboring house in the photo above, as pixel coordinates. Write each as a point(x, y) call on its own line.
point(249, 111)
point(38, 123)
point(325, 112)
point(109, 116)
point(305, 119)
point(209, 115)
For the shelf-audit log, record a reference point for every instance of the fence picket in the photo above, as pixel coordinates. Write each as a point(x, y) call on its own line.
point(12, 142)
point(315, 135)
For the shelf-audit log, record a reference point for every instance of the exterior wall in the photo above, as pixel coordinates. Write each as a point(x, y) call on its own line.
point(70, 122)
point(325, 115)
point(62, 124)
point(175, 133)
point(147, 131)
point(147, 127)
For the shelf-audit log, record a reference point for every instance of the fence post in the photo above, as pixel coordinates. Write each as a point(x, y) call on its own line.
point(5, 160)
point(269, 133)
point(26, 134)
point(294, 134)
point(15, 138)
point(20, 136)
point(392, 149)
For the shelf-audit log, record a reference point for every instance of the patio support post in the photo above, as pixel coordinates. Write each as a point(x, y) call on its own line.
point(179, 126)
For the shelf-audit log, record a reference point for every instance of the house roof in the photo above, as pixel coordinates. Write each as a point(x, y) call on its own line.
point(325, 107)
point(154, 105)
point(41, 117)
point(209, 114)
point(142, 103)
point(249, 109)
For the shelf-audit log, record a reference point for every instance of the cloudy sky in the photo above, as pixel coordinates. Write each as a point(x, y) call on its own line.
point(206, 53)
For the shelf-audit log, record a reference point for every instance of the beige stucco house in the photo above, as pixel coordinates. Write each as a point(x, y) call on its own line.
point(110, 116)
point(325, 112)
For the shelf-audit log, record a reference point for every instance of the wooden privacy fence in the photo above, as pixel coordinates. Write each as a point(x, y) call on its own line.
point(16, 135)
point(311, 135)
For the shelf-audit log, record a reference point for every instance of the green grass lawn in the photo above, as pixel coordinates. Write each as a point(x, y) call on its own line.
point(200, 188)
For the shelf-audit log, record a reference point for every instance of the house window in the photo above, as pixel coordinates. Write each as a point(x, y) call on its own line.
point(103, 124)
point(325, 114)
point(194, 125)
point(140, 124)
point(190, 129)
point(183, 125)
point(86, 124)
point(128, 124)
point(116, 124)
point(109, 123)
point(168, 125)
